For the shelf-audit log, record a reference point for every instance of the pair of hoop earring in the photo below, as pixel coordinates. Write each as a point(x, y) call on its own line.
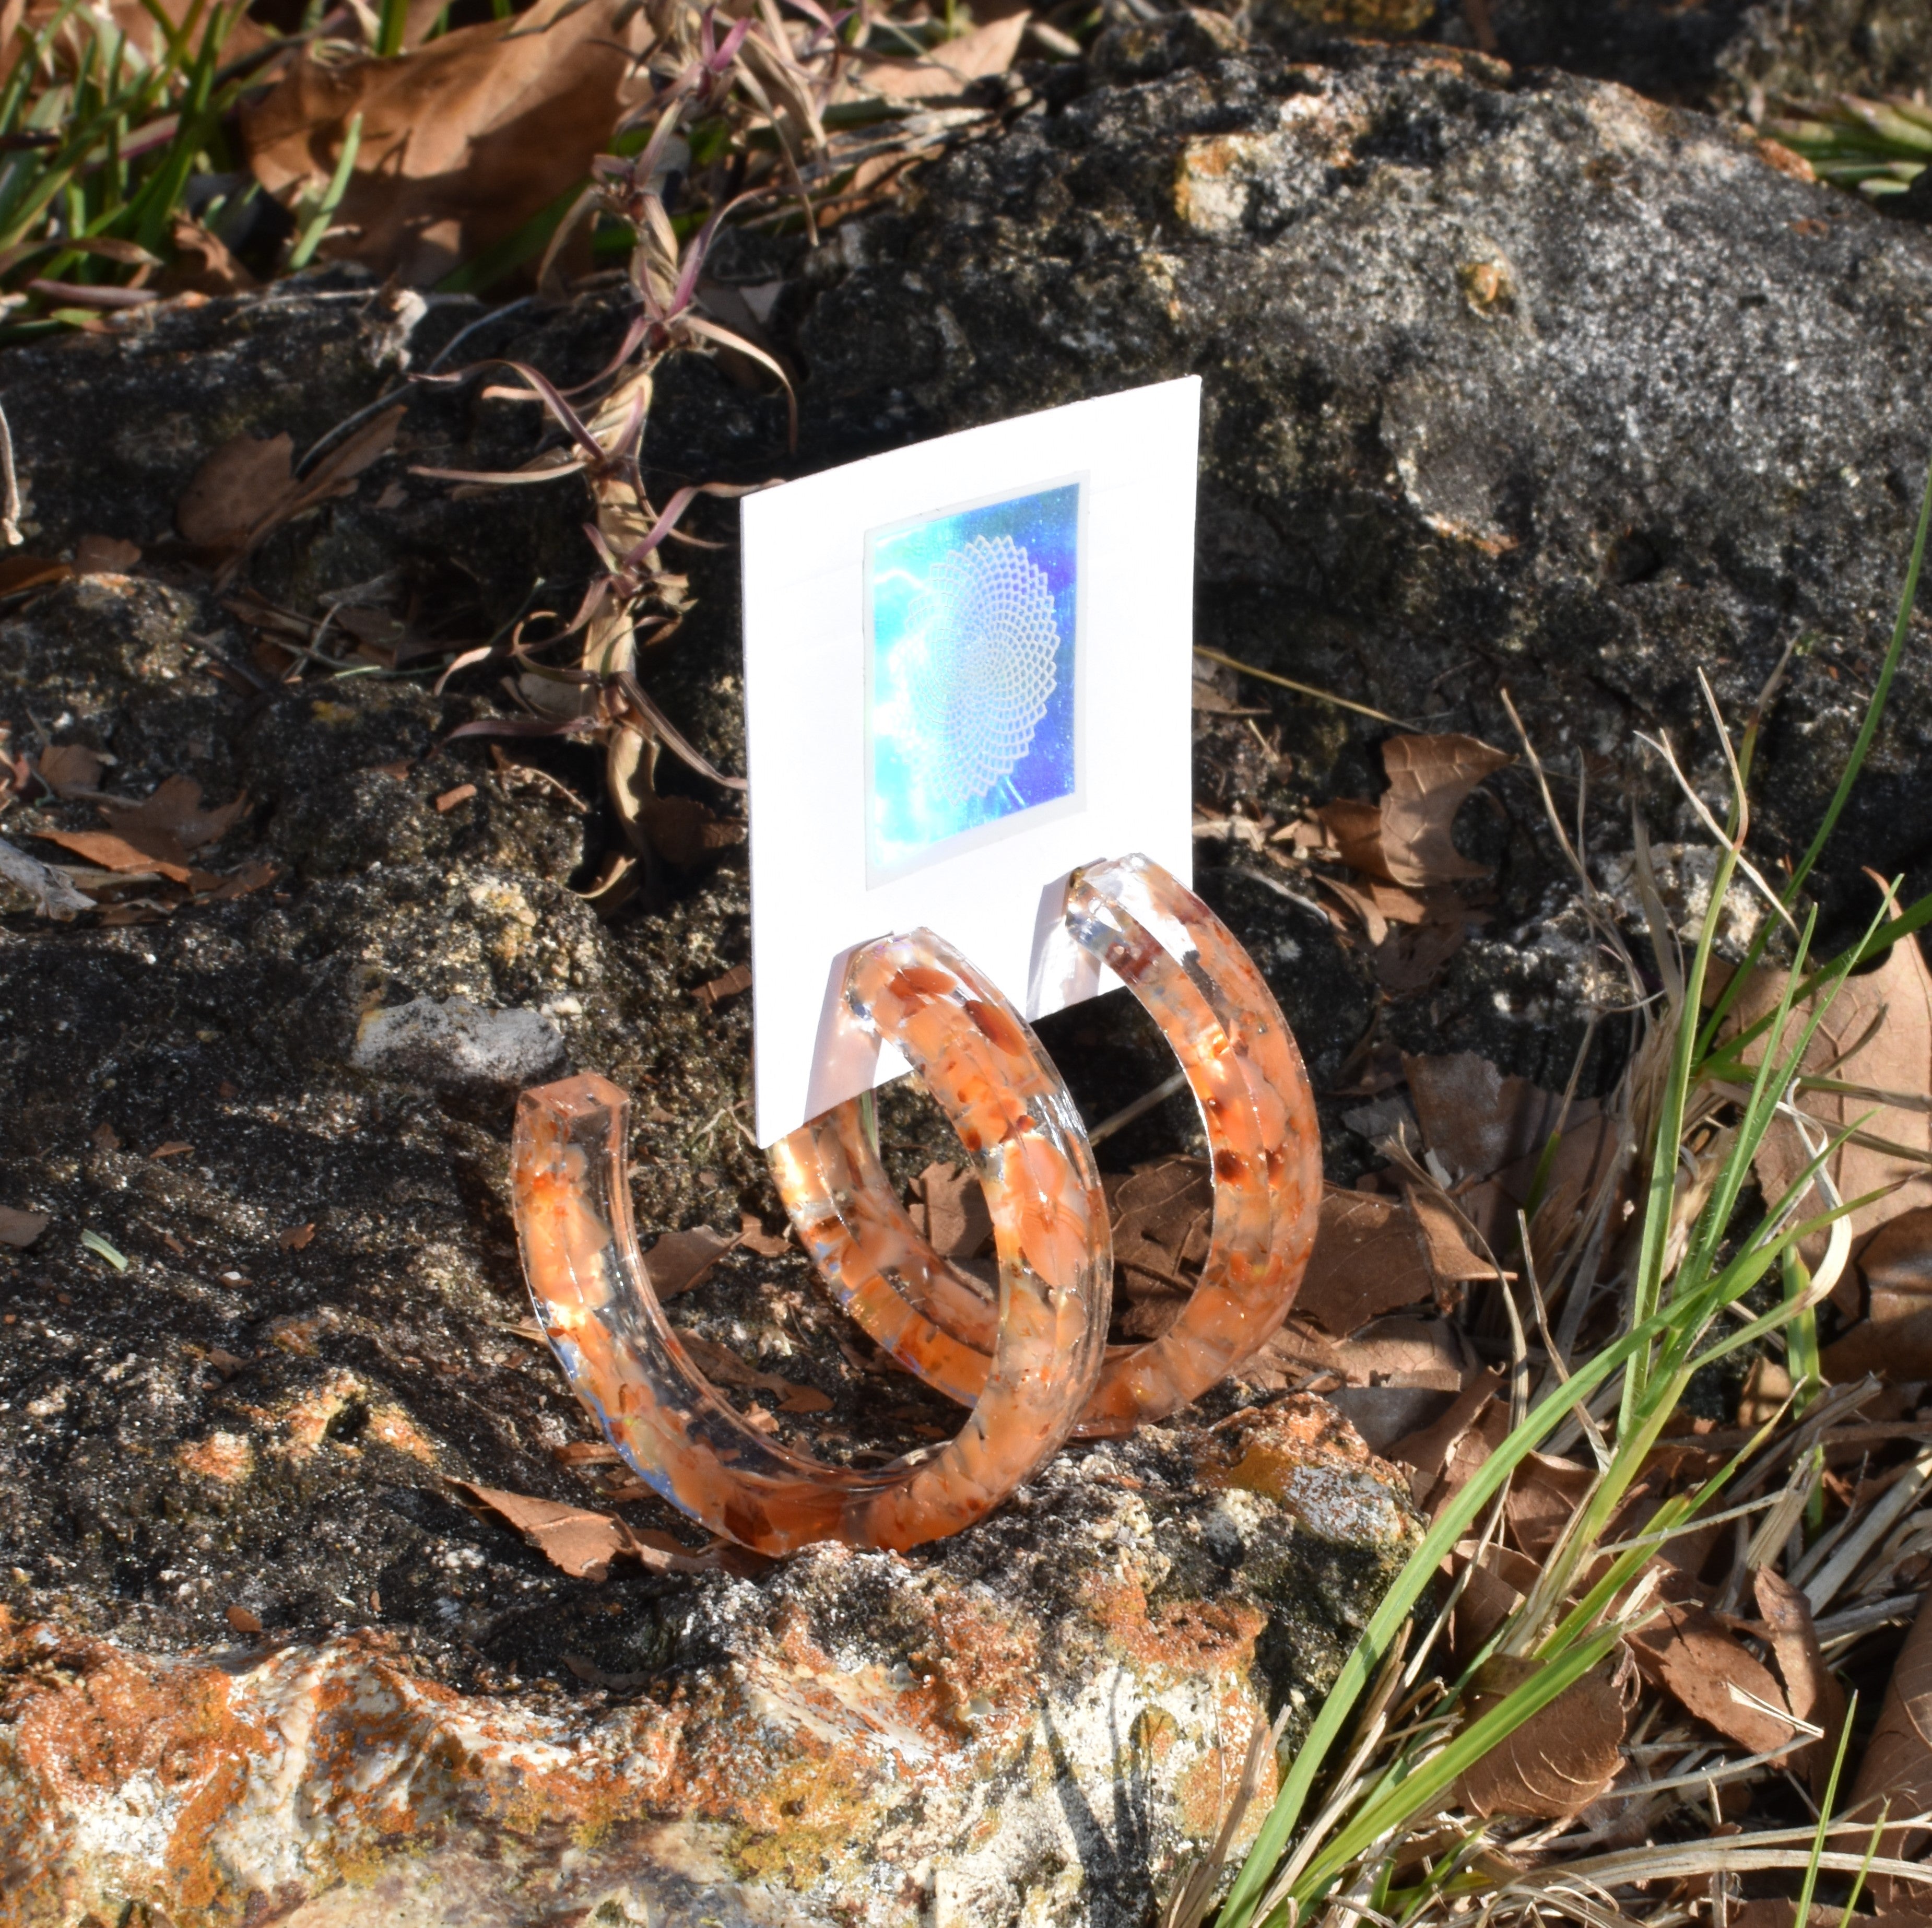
point(1032, 1364)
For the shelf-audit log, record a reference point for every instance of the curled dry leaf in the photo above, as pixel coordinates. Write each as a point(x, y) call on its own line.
point(202, 265)
point(1560, 1759)
point(171, 820)
point(25, 571)
point(1499, 1580)
point(1474, 1118)
point(1441, 1456)
point(1894, 1339)
point(463, 141)
point(734, 982)
point(1687, 1651)
point(1162, 1217)
point(227, 495)
point(1877, 1034)
point(20, 1228)
point(753, 1236)
point(245, 489)
point(1809, 1685)
point(1897, 1769)
point(582, 1543)
point(1544, 1497)
point(104, 555)
point(1404, 839)
point(1445, 1239)
point(66, 767)
point(106, 852)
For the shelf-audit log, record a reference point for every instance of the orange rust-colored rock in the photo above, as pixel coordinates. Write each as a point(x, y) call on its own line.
point(842, 1740)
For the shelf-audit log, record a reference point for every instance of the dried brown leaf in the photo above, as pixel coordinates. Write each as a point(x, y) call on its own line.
point(1450, 1256)
point(1368, 1258)
point(464, 139)
point(244, 882)
point(1355, 829)
point(26, 571)
point(1877, 1033)
point(1500, 1582)
point(1473, 1118)
point(946, 72)
point(579, 1542)
point(65, 767)
point(723, 1366)
point(1404, 839)
point(202, 264)
point(20, 1228)
point(1810, 1686)
point(1894, 1339)
point(1412, 959)
point(732, 984)
point(1897, 1769)
point(1560, 1759)
point(1543, 1496)
point(237, 485)
point(171, 819)
point(1431, 1453)
point(1429, 778)
point(753, 1236)
point(107, 851)
point(1687, 1652)
point(680, 1260)
point(952, 1211)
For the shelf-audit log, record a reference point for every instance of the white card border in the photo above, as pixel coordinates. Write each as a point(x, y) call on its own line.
point(805, 648)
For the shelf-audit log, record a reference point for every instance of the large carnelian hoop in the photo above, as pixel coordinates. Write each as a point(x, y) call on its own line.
point(1047, 1332)
point(1240, 1060)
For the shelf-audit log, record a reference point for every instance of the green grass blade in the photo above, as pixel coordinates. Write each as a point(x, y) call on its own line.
point(392, 24)
point(1433, 1779)
point(1824, 1808)
point(312, 235)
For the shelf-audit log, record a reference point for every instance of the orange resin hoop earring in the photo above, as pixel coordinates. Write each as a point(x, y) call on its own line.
point(1214, 1007)
point(1045, 1335)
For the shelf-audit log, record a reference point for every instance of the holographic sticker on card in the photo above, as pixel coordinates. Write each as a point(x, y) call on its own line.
point(973, 663)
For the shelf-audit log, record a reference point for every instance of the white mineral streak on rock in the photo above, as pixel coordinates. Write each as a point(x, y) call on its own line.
point(1039, 1729)
point(452, 1041)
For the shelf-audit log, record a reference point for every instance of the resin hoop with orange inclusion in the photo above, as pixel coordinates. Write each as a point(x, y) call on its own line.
point(1216, 1010)
point(1045, 1337)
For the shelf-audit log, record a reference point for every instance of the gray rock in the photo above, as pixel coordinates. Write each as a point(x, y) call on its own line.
point(453, 1042)
point(1035, 1723)
point(1812, 49)
point(1511, 382)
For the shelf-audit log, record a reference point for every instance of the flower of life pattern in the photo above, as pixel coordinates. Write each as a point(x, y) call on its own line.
point(979, 686)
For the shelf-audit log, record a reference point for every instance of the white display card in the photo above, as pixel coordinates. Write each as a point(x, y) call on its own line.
point(967, 671)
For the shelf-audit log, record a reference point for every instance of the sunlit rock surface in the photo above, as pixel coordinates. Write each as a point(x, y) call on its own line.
point(1038, 1722)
